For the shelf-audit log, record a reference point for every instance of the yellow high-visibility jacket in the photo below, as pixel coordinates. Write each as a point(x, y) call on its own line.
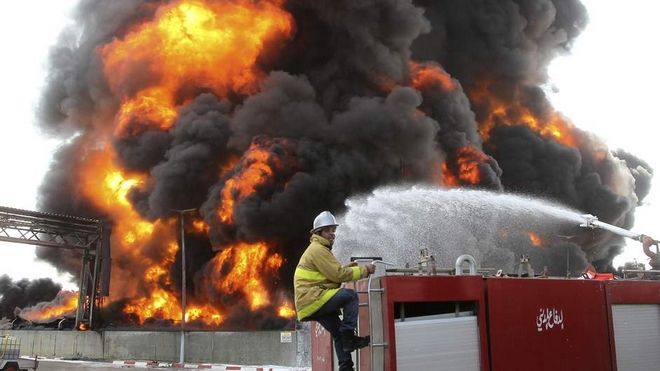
point(319, 275)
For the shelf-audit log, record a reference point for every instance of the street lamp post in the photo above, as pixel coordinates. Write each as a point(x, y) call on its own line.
point(183, 283)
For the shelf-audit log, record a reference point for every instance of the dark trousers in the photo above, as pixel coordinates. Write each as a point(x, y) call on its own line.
point(347, 301)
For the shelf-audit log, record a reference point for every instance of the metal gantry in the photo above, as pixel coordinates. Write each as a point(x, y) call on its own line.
point(90, 236)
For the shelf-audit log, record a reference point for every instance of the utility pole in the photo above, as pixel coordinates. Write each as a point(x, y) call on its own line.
point(183, 283)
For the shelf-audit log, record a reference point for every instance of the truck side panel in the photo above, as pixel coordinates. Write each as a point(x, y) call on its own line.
point(635, 324)
point(547, 324)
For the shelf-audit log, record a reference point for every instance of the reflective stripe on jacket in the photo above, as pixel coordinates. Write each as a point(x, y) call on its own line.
point(318, 277)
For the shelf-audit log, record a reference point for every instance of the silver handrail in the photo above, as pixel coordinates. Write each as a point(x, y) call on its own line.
point(472, 264)
point(650, 272)
point(371, 326)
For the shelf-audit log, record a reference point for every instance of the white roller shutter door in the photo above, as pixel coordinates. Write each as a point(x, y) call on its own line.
point(637, 336)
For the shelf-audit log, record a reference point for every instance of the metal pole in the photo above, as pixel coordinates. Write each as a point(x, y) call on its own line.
point(92, 296)
point(568, 269)
point(183, 285)
point(82, 289)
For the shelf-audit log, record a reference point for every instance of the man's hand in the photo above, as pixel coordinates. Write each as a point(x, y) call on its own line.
point(371, 268)
point(648, 241)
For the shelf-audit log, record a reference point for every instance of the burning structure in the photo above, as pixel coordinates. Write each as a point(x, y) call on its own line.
point(262, 113)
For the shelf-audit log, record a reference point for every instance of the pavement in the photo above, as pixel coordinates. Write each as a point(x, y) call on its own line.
point(46, 364)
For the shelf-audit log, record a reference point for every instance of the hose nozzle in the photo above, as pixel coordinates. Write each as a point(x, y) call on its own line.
point(589, 221)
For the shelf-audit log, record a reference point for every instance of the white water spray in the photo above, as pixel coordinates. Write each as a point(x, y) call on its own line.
point(495, 228)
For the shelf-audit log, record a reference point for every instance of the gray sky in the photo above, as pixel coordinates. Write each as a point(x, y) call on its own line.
point(27, 29)
point(606, 86)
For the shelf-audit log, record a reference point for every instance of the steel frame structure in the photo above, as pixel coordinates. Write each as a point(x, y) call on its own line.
point(90, 236)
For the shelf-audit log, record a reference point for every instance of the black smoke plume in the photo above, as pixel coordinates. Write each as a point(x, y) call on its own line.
point(339, 112)
point(15, 295)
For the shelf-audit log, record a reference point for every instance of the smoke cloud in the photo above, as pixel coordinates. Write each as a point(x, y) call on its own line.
point(354, 96)
point(15, 295)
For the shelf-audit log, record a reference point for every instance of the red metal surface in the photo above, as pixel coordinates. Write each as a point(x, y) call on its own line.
point(401, 289)
point(579, 334)
point(363, 356)
point(548, 324)
point(628, 292)
point(633, 292)
point(322, 353)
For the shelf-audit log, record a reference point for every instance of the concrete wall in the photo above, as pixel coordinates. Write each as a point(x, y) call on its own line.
point(285, 348)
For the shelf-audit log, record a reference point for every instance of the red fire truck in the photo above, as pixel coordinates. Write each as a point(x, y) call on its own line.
point(421, 320)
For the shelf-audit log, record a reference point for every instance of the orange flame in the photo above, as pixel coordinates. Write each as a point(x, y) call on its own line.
point(188, 43)
point(158, 303)
point(535, 239)
point(500, 112)
point(151, 106)
point(200, 226)
point(163, 304)
point(467, 160)
point(255, 171)
point(448, 177)
point(65, 303)
point(248, 263)
point(427, 75)
point(206, 313)
point(286, 311)
point(155, 68)
point(107, 186)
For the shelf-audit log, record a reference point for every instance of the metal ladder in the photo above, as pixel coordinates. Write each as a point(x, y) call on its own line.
point(370, 291)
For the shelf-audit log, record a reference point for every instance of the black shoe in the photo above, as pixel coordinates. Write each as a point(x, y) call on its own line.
point(350, 342)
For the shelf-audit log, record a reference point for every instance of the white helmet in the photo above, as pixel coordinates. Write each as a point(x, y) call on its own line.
point(324, 219)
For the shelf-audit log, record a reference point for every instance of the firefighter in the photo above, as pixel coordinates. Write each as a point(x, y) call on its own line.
point(318, 295)
point(647, 242)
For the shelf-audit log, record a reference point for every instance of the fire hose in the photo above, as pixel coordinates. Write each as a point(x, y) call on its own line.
point(592, 222)
point(371, 260)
